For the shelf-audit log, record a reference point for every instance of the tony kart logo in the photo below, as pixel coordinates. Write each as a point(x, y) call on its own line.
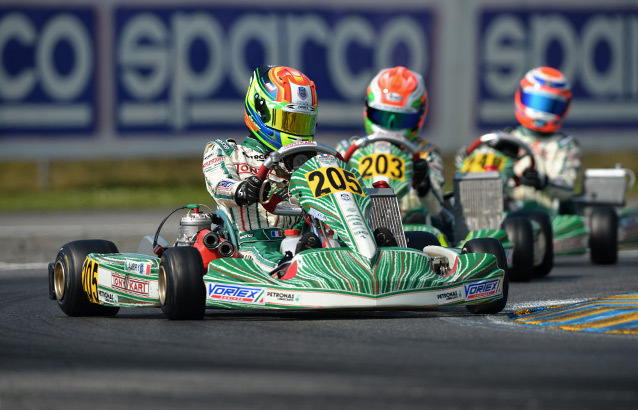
point(233, 293)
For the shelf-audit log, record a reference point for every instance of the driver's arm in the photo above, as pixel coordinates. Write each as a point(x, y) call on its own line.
point(562, 171)
point(222, 179)
point(433, 199)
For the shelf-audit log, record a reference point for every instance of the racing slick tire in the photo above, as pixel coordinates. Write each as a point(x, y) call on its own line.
point(520, 233)
point(420, 239)
point(181, 287)
point(603, 235)
point(545, 221)
point(67, 278)
point(493, 246)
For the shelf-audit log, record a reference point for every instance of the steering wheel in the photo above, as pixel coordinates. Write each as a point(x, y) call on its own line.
point(397, 140)
point(293, 155)
point(506, 144)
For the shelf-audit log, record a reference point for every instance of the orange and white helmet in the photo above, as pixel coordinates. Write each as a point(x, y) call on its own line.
point(542, 99)
point(396, 102)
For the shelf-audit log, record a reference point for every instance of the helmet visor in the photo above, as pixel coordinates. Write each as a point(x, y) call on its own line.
point(292, 119)
point(544, 102)
point(394, 120)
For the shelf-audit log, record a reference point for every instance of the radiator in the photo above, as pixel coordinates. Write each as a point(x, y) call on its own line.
point(386, 213)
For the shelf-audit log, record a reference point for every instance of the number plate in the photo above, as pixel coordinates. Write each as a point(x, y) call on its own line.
point(482, 162)
point(387, 165)
point(325, 181)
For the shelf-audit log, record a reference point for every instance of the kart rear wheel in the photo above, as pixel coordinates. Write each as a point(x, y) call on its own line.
point(67, 278)
point(520, 233)
point(180, 284)
point(603, 235)
point(545, 222)
point(420, 239)
point(493, 246)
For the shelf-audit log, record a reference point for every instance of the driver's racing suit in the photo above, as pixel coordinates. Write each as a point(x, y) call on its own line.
point(559, 157)
point(259, 232)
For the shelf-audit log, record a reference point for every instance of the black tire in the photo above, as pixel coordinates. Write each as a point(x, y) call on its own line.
point(493, 246)
point(545, 222)
point(181, 285)
point(67, 278)
point(520, 233)
point(603, 235)
point(420, 239)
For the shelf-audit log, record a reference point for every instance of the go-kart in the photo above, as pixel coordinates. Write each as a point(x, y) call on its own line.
point(204, 270)
point(594, 220)
point(474, 206)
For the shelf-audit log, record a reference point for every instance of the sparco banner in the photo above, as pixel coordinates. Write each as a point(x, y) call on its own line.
point(596, 49)
point(47, 70)
point(180, 69)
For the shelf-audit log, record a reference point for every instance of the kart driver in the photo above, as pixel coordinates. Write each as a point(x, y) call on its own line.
point(280, 108)
point(397, 104)
point(542, 101)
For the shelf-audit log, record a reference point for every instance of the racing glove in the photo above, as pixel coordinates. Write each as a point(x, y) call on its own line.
point(535, 179)
point(460, 156)
point(247, 192)
point(421, 182)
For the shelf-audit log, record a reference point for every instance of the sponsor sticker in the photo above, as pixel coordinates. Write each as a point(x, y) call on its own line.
point(225, 185)
point(141, 268)
point(107, 297)
point(449, 295)
point(283, 297)
point(317, 214)
point(212, 162)
point(325, 159)
point(481, 289)
point(233, 293)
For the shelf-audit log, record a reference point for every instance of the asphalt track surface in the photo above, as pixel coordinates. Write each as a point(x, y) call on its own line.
point(444, 359)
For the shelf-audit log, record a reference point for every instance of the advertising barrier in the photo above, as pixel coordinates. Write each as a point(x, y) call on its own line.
point(111, 78)
point(47, 71)
point(596, 49)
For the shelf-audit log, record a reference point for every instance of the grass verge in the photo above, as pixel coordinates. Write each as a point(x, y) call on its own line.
point(149, 183)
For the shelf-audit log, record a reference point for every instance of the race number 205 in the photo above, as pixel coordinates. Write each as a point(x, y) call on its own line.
point(89, 279)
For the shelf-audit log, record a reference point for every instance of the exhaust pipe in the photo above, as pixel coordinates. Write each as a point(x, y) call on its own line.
point(211, 240)
point(226, 249)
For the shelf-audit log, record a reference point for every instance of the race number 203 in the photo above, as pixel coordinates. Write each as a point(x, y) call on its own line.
point(387, 165)
point(89, 279)
point(325, 181)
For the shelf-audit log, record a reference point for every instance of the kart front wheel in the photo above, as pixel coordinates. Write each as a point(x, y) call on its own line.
point(67, 278)
point(545, 221)
point(181, 288)
point(520, 233)
point(603, 236)
point(493, 246)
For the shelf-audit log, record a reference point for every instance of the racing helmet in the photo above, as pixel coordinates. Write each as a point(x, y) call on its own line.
point(281, 106)
point(396, 102)
point(542, 99)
